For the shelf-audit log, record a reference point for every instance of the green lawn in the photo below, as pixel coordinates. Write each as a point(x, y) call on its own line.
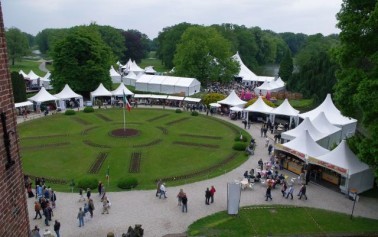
point(281, 221)
point(64, 147)
point(26, 66)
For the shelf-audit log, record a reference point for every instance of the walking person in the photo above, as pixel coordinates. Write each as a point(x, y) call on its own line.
point(37, 209)
point(184, 201)
point(91, 207)
point(53, 199)
point(270, 149)
point(302, 192)
point(88, 193)
point(283, 188)
point(163, 190)
point(268, 193)
point(80, 216)
point(212, 192)
point(57, 228)
point(158, 184)
point(35, 232)
point(81, 197)
point(207, 196)
point(105, 206)
point(179, 197)
point(46, 213)
point(290, 191)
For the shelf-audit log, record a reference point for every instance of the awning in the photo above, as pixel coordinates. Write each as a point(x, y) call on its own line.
point(22, 104)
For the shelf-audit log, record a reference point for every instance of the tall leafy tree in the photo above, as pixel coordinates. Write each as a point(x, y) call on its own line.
point(18, 86)
point(137, 45)
point(47, 38)
point(17, 44)
point(294, 41)
point(286, 66)
point(113, 38)
point(204, 54)
point(82, 60)
point(356, 90)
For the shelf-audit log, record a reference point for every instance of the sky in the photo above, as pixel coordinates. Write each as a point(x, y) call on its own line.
point(151, 16)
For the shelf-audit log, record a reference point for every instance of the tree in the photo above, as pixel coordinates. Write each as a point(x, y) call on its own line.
point(47, 38)
point(286, 66)
point(17, 44)
point(356, 90)
point(82, 60)
point(113, 38)
point(204, 54)
point(137, 45)
point(18, 86)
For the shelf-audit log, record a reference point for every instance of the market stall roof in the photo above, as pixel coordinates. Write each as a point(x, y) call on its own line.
point(171, 97)
point(306, 125)
point(33, 76)
point(131, 75)
point(341, 159)
point(303, 146)
point(42, 96)
point(285, 109)
point(142, 96)
point(321, 122)
point(215, 105)
point(158, 96)
point(46, 77)
point(236, 109)
point(331, 112)
point(190, 99)
point(259, 106)
point(23, 74)
point(121, 89)
point(232, 99)
point(113, 72)
point(67, 93)
point(22, 104)
point(149, 69)
point(244, 72)
point(101, 91)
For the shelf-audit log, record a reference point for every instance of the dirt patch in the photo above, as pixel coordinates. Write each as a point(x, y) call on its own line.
point(135, 162)
point(124, 133)
point(96, 165)
point(103, 117)
point(197, 144)
point(154, 142)
point(201, 136)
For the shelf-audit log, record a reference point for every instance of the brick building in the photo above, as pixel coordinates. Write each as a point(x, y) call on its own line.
point(14, 219)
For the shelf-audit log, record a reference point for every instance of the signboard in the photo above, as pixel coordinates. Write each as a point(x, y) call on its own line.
point(327, 165)
point(233, 198)
point(291, 151)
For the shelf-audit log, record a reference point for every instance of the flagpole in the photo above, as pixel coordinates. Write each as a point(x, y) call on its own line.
point(124, 119)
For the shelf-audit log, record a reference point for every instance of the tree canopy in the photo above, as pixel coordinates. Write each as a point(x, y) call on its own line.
point(286, 66)
point(18, 86)
point(357, 78)
point(137, 45)
point(17, 44)
point(204, 54)
point(82, 60)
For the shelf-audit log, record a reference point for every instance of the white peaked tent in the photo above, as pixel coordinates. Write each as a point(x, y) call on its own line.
point(130, 79)
point(279, 82)
point(303, 147)
point(121, 89)
point(23, 74)
point(285, 109)
point(45, 81)
point(232, 100)
point(267, 86)
point(149, 70)
point(66, 94)
point(244, 73)
point(259, 106)
point(116, 78)
point(100, 91)
point(33, 78)
point(324, 126)
point(127, 66)
point(334, 116)
point(343, 161)
point(42, 96)
point(306, 125)
point(135, 68)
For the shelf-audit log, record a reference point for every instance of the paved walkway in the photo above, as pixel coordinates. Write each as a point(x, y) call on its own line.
point(160, 217)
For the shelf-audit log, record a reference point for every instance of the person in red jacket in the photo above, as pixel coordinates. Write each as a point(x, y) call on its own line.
point(212, 192)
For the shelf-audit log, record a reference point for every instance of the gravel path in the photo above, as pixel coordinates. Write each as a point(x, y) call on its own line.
point(160, 217)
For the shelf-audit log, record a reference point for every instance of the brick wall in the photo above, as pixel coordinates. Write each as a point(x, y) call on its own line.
point(14, 220)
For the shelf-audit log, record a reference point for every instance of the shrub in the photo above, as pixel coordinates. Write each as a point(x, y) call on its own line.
point(70, 112)
point(194, 113)
point(88, 109)
point(237, 139)
point(239, 146)
point(87, 182)
point(178, 111)
point(127, 183)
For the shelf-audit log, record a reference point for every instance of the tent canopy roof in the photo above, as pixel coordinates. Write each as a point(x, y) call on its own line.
point(285, 109)
point(232, 99)
point(67, 93)
point(322, 123)
point(32, 75)
point(331, 112)
point(120, 90)
point(244, 72)
point(113, 72)
point(42, 96)
point(259, 106)
point(22, 104)
point(343, 157)
point(306, 125)
point(101, 91)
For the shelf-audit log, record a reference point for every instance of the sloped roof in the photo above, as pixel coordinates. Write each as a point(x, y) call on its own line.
point(113, 72)
point(259, 106)
point(23, 74)
point(46, 77)
point(306, 125)
point(244, 72)
point(131, 75)
point(322, 123)
point(22, 104)
point(343, 157)
point(101, 91)
point(330, 111)
point(303, 146)
point(267, 86)
point(67, 93)
point(42, 96)
point(232, 99)
point(120, 90)
point(135, 68)
point(32, 75)
point(279, 82)
point(149, 69)
point(285, 109)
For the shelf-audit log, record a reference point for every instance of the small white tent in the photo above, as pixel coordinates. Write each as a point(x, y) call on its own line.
point(334, 116)
point(121, 89)
point(343, 161)
point(99, 92)
point(324, 126)
point(246, 74)
point(130, 79)
point(285, 109)
point(23, 74)
point(45, 81)
point(42, 96)
point(66, 94)
point(232, 100)
point(116, 78)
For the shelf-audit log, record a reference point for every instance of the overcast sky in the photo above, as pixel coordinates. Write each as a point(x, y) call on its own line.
point(151, 16)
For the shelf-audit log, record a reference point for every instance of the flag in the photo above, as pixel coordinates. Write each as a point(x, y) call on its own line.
point(107, 173)
point(126, 102)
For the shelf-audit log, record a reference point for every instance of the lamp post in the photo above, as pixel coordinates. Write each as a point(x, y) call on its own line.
point(354, 192)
